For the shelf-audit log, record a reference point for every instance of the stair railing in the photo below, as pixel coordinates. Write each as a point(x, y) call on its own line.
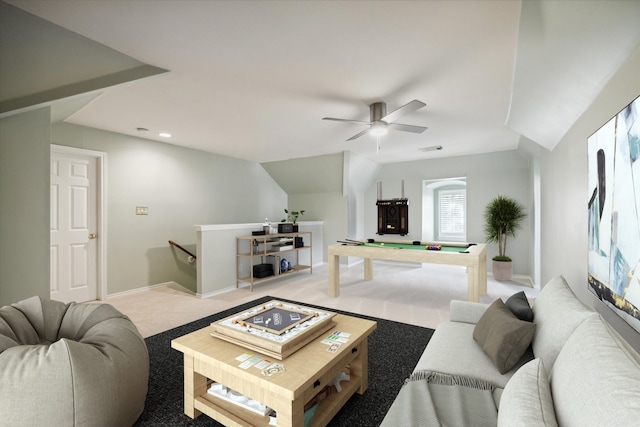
point(192, 258)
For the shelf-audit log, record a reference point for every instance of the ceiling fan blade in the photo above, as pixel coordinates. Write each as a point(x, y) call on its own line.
point(407, 108)
point(358, 135)
point(406, 128)
point(345, 120)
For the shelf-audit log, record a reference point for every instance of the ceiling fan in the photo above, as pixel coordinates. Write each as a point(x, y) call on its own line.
point(381, 122)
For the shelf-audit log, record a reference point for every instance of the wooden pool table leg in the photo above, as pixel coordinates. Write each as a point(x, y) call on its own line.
point(334, 275)
point(368, 269)
point(473, 280)
point(482, 277)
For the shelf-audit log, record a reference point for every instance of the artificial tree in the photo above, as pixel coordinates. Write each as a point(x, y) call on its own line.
point(503, 216)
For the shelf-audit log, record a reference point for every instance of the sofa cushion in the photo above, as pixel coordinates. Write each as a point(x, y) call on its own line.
point(519, 306)
point(453, 351)
point(466, 311)
point(502, 336)
point(557, 313)
point(526, 400)
point(595, 380)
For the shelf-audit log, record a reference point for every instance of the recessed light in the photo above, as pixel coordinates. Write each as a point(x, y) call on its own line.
point(432, 148)
point(165, 134)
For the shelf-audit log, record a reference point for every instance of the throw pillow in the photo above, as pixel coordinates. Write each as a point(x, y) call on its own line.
point(519, 305)
point(502, 336)
point(526, 399)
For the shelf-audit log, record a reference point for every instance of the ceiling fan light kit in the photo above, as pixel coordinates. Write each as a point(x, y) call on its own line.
point(380, 122)
point(378, 129)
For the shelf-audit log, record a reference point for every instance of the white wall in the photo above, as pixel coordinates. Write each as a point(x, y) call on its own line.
point(24, 206)
point(488, 175)
point(181, 187)
point(565, 194)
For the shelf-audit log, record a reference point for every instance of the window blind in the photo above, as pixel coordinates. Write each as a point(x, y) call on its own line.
point(451, 213)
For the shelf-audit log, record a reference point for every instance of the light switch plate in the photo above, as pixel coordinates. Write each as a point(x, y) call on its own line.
point(142, 210)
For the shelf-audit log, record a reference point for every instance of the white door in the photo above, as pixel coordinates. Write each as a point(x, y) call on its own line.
point(73, 227)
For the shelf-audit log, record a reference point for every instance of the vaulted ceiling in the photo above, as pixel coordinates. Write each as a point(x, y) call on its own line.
point(253, 79)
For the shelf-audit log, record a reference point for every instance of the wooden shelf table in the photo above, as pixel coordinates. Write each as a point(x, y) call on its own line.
point(307, 372)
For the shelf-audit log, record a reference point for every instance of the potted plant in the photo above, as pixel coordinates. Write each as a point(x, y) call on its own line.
point(503, 216)
point(293, 217)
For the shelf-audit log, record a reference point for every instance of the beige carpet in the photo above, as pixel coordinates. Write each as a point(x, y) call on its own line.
point(400, 292)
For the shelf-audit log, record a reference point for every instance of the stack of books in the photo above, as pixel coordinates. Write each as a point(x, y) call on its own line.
point(282, 247)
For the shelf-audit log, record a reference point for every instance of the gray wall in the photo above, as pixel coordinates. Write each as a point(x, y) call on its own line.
point(331, 208)
point(354, 215)
point(488, 175)
point(316, 185)
point(218, 247)
point(359, 174)
point(318, 174)
point(24, 206)
point(43, 62)
point(182, 188)
point(565, 193)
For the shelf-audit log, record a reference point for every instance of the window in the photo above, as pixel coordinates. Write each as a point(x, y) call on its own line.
point(451, 214)
point(444, 203)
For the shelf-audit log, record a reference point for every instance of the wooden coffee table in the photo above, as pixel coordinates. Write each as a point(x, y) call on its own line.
point(306, 373)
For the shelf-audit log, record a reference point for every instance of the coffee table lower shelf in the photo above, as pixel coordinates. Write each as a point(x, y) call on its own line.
point(231, 415)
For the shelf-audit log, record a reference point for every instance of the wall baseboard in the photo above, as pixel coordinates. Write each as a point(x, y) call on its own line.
point(217, 292)
point(171, 284)
point(518, 279)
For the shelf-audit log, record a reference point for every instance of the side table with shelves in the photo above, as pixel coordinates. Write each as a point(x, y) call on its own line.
point(270, 249)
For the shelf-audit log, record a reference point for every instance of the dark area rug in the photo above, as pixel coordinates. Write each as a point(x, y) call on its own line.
point(394, 350)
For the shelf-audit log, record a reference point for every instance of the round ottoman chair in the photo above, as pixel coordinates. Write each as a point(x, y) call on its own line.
point(70, 365)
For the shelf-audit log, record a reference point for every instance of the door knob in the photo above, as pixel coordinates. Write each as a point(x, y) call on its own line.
point(92, 236)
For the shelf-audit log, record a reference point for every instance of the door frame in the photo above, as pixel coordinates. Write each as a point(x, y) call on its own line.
point(101, 211)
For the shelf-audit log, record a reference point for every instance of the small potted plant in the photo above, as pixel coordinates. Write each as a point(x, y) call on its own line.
point(503, 216)
point(292, 216)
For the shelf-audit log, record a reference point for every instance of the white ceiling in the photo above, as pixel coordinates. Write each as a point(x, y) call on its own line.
point(252, 79)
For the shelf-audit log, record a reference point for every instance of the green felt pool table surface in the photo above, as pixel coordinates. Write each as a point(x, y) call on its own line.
point(421, 247)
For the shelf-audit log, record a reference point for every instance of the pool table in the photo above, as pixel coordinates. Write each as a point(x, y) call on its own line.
point(472, 256)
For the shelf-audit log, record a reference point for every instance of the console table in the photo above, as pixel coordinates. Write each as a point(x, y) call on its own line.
point(269, 249)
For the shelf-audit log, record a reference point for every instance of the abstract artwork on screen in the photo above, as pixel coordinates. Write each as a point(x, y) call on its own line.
point(614, 213)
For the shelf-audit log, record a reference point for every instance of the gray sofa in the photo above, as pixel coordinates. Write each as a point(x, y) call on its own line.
point(577, 371)
point(70, 365)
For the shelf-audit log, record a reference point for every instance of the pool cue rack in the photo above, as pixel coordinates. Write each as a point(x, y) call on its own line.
point(393, 214)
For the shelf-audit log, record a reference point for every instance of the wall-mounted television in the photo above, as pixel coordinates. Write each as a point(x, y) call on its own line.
point(614, 213)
